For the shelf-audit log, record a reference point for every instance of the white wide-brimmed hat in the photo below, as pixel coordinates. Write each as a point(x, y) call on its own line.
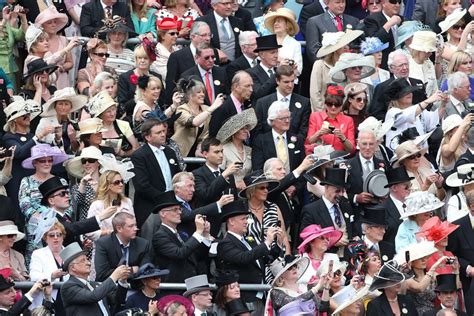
point(282, 13)
point(424, 41)
point(452, 19)
point(108, 162)
point(416, 251)
point(279, 266)
point(451, 122)
point(379, 128)
point(348, 296)
point(348, 60)
point(66, 94)
point(75, 167)
point(9, 228)
point(20, 107)
point(92, 125)
point(32, 34)
point(420, 202)
point(100, 103)
point(332, 41)
point(337, 265)
point(236, 123)
point(464, 175)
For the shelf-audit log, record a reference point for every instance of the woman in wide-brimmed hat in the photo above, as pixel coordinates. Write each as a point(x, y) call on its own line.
point(42, 159)
point(90, 134)
point(167, 36)
point(38, 86)
point(463, 179)
point(350, 302)
point(283, 24)
point(405, 114)
point(351, 68)
point(175, 305)
point(233, 134)
point(9, 235)
point(333, 45)
point(355, 102)
point(337, 283)
point(453, 144)
point(373, 46)
point(405, 34)
point(419, 208)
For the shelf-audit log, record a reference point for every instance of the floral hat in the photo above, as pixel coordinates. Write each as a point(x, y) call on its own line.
point(372, 45)
point(332, 41)
point(110, 163)
point(420, 202)
point(20, 107)
point(435, 230)
point(379, 128)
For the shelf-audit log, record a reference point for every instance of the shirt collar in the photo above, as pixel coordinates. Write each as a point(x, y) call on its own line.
point(363, 160)
point(235, 235)
point(398, 204)
point(250, 60)
point(333, 16)
point(104, 5)
point(212, 169)
point(324, 116)
point(202, 71)
point(218, 17)
point(328, 203)
point(369, 243)
point(121, 242)
point(281, 96)
point(264, 67)
point(234, 99)
point(154, 148)
point(173, 230)
point(193, 49)
point(453, 100)
point(275, 134)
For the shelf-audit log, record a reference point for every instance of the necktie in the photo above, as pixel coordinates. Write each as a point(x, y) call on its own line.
point(270, 72)
point(337, 215)
point(367, 168)
point(179, 238)
point(246, 244)
point(254, 62)
point(165, 168)
point(208, 87)
point(186, 207)
point(216, 174)
point(225, 34)
point(101, 302)
point(124, 254)
point(67, 219)
point(284, 99)
point(281, 149)
point(108, 12)
point(339, 25)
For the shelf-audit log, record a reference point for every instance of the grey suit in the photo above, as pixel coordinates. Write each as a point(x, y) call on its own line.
point(317, 26)
point(451, 109)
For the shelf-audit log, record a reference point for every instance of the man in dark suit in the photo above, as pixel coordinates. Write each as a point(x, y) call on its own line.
point(247, 42)
point(93, 14)
point(384, 25)
point(263, 75)
point(446, 292)
point(399, 67)
point(278, 142)
point(211, 181)
point(8, 293)
point(332, 209)
point(298, 105)
point(154, 165)
point(121, 247)
point(333, 20)
point(373, 225)
point(175, 250)
point(224, 27)
point(307, 12)
point(399, 188)
point(245, 16)
point(212, 77)
point(241, 92)
point(56, 197)
point(243, 255)
point(81, 297)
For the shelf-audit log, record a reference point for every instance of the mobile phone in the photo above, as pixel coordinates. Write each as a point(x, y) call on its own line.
point(332, 128)
point(407, 256)
point(240, 164)
point(115, 202)
point(204, 217)
point(6, 153)
point(45, 282)
point(449, 260)
point(331, 264)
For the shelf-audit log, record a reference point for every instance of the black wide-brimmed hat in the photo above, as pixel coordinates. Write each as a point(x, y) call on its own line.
point(399, 88)
point(388, 276)
point(38, 66)
point(397, 175)
point(374, 215)
point(49, 187)
point(335, 177)
point(256, 178)
point(235, 208)
point(236, 307)
point(148, 270)
point(268, 42)
point(226, 277)
point(446, 283)
point(165, 199)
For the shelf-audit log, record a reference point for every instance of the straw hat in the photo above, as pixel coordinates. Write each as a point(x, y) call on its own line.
point(348, 296)
point(280, 265)
point(379, 128)
point(416, 250)
point(9, 228)
point(286, 13)
point(100, 103)
point(348, 60)
point(311, 232)
point(91, 126)
point(75, 167)
point(424, 41)
point(372, 45)
point(332, 41)
point(407, 29)
point(420, 202)
point(32, 34)
point(236, 123)
point(451, 122)
point(407, 149)
point(66, 94)
point(464, 175)
point(49, 14)
point(43, 151)
point(20, 107)
point(435, 230)
point(452, 19)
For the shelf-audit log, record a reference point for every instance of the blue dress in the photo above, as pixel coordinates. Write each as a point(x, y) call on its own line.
point(145, 25)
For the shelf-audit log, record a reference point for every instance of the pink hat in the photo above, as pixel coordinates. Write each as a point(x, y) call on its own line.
point(167, 24)
point(314, 231)
point(164, 303)
point(49, 14)
point(435, 230)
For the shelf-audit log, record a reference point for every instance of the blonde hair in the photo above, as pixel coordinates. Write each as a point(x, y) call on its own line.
point(456, 60)
point(105, 181)
point(142, 12)
point(139, 91)
point(459, 150)
point(42, 36)
point(140, 52)
point(57, 225)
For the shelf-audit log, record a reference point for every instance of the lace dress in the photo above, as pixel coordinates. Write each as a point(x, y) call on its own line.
point(423, 301)
point(281, 296)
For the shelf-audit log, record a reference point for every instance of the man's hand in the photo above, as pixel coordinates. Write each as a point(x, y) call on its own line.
point(231, 169)
point(364, 197)
point(225, 199)
point(271, 233)
point(108, 212)
point(120, 273)
point(199, 221)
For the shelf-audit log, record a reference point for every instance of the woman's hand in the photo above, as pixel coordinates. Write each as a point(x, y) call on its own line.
point(468, 29)
point(217, 102)
point(338, 133)
point(56, 274)
point(184, 32)
point(177, 99)
point(45, 132)
point(72, 43)
point(467, 122)
point(437, 96)
point(37, 82)
point(152, 308)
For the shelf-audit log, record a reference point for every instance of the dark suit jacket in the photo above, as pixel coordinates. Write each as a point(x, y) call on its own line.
point(75, 229)
point(188, 216)
point(149, 181)
point(232, 254)
point(299, 114)
point(392, 215)
point(387, 251)
point(264, 148)
point(18, 308)
point(246, 18)
point(178, 258)
point(33, 9)
point(307, 12)
point(379, 104)
point(373, 26)
point(108, 254)
point(208, 188)
point(178, 62)
point(92, 15)
point(467, 157)
point(240, 63)
point(78, 300)
point(263, 83)
point(434, 311)
point(218, 74)
point(380, 306)
point(219, 116)
point(235, 23)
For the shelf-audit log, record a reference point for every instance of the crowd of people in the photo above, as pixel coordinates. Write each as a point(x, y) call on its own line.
point(152, 146)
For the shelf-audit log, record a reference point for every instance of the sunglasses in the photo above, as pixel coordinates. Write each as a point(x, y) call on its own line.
point(395, 1)
point(374, 3)
point(61, 194)
point(356, 67)
point(337, 273)
point(457, 27)
point(173, 33)
point(54, 235)
point(88, 160)
point(45, 160)
point(117, 182)
point(102, 54)
point(360, 99)
point(333, 104)
point(209, 57)
point(414, 156)
point(25, 117)
point(11, 235)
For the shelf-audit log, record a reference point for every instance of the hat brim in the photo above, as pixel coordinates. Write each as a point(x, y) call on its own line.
point(49, 68)
point(74, 166)
point(348, 37)
point(7, 285)
point(424, 49)
point(264, 48)
point(195, 290)
point(454, 18)
point(389, 184)
point(337, 72)
point(68, 261)
point(338, 154)
point(454, 181)
point(422, 151)
point(120, 28)
point(359, 295)
point(377, 49)
point(228, 215)
point(157, 273)
point(270, 21)
point(57, 158)
point(78, 102)
point(302, 264)
point(61, 17)
point(19, 235)
point(44, 199)
point(431, 208)
point(333, 235)
point(272, 185)
point(161, 206)
point(236, 123)
point(373, 182)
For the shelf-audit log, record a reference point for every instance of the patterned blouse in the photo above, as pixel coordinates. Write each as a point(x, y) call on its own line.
point(81, 202)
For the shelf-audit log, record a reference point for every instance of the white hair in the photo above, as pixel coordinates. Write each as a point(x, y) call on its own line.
point(395, 53)
point(268, 165)
point(456, 80)
point(245, 36)
point(101, 77)
point(274, 110)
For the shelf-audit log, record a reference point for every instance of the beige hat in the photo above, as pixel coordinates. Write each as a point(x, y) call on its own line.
point(420, 202)
point(354, 89)
point(9, 228)
point(424, 41)
point(451, 122)
point(282, 13)
point(236, 123)
point(20, 107)
point(376, 126)
point(348, 60)
point(66, 94)
point(279, 266)
point(100, 103)
point(348, 296)
point(407, 149)
point(32, 34)
point(416, 250)
point(51, 13)
point(91, 126)
point(332, 41)
point(451, 19)
point(74, 166)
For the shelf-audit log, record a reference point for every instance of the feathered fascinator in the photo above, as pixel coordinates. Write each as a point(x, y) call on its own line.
point(110, 163)
point(331, 38)
point(372, 45)
point(42, 223)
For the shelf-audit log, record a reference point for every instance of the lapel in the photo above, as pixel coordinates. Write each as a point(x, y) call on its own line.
point(244, 248)
point(171, 235)
point(100, 12)
point(467, 230)
point(262, 75)
point(271, 149)
point(392, 211)
point(328, 23)
point(292, 152)
point(118, 249)
point(385, 306)
point(150, 156)
point(213, 26)
point(324, 214)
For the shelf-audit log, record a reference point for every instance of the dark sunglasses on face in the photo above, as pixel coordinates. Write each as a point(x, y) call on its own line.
point(53, 235)
point(45, 160)
point(360, 99)
point(457, 27)
point(395, 1)
point(415, 156)
point(173, 33)
point(61, 194)
point(337, 273)
point(117, 182)
point(102, 54)
point(374, 3)
point(356, 67)
point(88, 160)
point(11, 236)
point(333, 104)
point(209, 57)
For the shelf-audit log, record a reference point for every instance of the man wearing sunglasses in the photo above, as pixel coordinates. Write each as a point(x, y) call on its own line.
point(56, 197)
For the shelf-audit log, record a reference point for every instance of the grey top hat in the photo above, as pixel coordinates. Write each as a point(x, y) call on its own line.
point(196, 284)
point(70, 253)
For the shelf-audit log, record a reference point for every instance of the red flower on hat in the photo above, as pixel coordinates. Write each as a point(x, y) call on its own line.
point(335, 90)
point(134, 78)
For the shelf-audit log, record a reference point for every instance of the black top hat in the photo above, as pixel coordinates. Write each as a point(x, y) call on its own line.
point(5, 284)
point(256, 178)
point(236, 307)
point(399, 88)
point(165, 199)
point(148, 270)
point(238, 207)
point(267, 42)
point(226, 277)
point(397, 175)
point(335, 177)
point(49, 187)
point(38, 66)
point(374, 215)
point(446, 282)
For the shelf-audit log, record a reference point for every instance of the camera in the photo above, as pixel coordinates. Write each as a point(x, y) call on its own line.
point(45, 282)
point(449, 260)
point(331, 128)
point(115, 202)
point(11, 8)
point(291, 62)
point(6, 153)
